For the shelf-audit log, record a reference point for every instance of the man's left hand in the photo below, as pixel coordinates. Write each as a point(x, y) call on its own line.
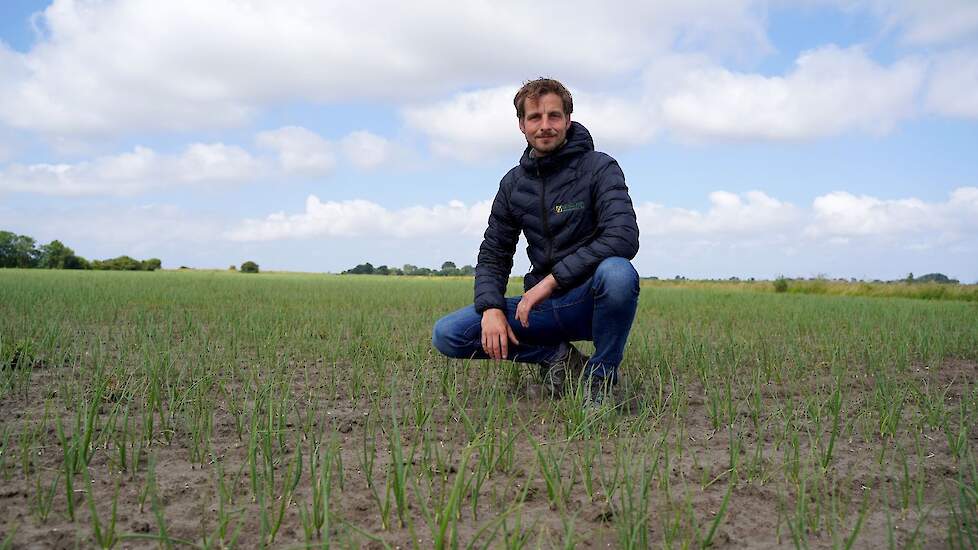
point(540, 292)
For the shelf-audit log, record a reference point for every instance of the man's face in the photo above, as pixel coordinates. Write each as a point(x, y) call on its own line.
point(544, 123)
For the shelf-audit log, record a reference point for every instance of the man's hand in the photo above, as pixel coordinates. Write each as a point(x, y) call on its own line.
point(496, 334)
point(540, 292)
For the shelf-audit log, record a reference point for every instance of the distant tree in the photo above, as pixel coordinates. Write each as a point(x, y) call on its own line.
point(362, 269)
point(122, 263)
point(17, 250)
point(909, 278)
point(249, 267)
point(232, 267)
point(151, 264)
point(128, 263)
point(936, 278)
point(448, 268)
point(55, 255)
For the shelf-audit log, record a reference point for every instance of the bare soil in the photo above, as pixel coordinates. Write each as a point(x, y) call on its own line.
point(755, 517)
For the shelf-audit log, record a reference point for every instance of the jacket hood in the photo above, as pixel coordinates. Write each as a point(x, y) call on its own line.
point(578, 142)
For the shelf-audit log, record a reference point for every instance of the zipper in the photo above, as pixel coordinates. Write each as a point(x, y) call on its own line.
point(544, 211)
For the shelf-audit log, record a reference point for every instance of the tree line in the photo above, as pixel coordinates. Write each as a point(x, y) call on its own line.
point(447, 269)
point(23, 252)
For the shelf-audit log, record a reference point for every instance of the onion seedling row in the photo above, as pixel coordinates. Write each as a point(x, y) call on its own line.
point(216, 410)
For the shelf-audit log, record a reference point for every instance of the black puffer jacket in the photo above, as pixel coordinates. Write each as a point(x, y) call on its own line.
point(572, 205)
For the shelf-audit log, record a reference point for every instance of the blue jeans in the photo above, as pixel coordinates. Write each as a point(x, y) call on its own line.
point(600, 309)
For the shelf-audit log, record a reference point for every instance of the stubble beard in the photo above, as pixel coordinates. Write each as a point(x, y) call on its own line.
point(540, 152)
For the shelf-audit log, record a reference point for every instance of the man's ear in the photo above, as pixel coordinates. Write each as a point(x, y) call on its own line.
point(520, 120)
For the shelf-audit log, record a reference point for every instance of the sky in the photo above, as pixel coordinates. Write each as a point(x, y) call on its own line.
point(831, 138)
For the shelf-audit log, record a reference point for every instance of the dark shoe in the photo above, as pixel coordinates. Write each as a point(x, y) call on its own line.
point(598, 393)
point(567, 368)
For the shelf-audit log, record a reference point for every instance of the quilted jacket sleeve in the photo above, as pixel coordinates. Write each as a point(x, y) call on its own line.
point(617, 233)
point(496, 254)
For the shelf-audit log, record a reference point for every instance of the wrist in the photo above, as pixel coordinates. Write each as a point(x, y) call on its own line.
point(551, 282)
point(491, 312)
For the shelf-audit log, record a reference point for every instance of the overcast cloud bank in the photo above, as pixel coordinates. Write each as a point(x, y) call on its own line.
point(152, 112)
point(730, 218)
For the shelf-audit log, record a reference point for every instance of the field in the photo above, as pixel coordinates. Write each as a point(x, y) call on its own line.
point(286, 410)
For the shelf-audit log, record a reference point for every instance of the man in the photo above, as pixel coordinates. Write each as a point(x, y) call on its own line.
point(572, 205)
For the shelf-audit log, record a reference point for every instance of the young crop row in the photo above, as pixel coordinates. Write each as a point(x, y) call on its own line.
point(210, 410)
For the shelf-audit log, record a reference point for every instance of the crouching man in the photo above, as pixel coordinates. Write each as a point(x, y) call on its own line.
point(572, 205)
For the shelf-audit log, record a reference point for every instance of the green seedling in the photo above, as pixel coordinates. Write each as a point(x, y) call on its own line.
point(104, 533)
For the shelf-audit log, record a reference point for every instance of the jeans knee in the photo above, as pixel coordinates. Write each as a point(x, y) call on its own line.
point(616, 276)
point(443, 338)
point(439, 337)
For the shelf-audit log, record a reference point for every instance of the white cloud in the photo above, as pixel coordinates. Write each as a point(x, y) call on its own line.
point(930, 22)
point(482, 124)
point(829, 91)
point(730, 216)
point(842, 215)
point(362, 218)
point(134, 172)
point(113, 66)
point(471, 125)
point(299, 150)
point(838, 234)
point(214, 162)
point(234, 58)
point(615, 122)
point(746, 234)
point(731, 219)
point(749, 234)
point(367, 150)
point(295, 152)
point(953, 86)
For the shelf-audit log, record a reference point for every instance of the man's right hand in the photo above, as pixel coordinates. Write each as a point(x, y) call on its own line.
point(496, 334)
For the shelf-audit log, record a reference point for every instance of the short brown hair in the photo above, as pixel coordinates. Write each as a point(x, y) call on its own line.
point(533, 89)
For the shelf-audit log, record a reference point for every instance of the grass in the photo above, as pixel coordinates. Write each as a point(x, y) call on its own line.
point(920, 291)
point(216, 409)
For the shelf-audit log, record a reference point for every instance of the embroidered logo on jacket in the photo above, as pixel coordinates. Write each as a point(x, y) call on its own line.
point(579, 205)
